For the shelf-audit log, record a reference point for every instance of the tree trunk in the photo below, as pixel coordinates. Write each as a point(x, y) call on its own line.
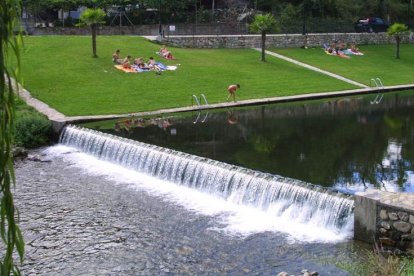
point(263, 45)
point(93, 26)
point(398, 47)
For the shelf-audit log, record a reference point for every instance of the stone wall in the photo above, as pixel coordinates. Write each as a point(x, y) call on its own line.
point(395, 227)
point(280, 40)
point(387, 217)
point(224, 36)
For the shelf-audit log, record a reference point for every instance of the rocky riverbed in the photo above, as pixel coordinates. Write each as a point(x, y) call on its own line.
point(75, 223)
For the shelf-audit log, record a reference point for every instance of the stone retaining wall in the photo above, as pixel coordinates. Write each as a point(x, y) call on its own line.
point(389, 217)
point(224, 36)
point(280, 40)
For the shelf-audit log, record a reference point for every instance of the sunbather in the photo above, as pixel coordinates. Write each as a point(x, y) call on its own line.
point(152, 64)
point(116, 58)
point(139, 63)
point(126, 63)
point(165, 53)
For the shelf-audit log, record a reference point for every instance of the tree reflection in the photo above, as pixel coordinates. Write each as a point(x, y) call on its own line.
point(346, 143)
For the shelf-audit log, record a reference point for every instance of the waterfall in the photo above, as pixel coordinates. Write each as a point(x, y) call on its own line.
point(284, 196)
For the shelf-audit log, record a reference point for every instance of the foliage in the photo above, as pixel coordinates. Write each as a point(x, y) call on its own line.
point(9, 46)
point(397, 30)
point(380, 264)
point(264, 23)
point(176, 11)
point(93, 17)
point(32, 130)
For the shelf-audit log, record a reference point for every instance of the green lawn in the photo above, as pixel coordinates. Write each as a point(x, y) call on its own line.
point(60, 71)
point(378, 61)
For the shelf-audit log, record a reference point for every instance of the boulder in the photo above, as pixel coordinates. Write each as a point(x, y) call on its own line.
point(403, 216)
point(393, 216)
point(384, 214)
point(402, 226)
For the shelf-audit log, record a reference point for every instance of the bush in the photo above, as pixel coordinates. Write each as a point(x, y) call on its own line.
point(32, 131)
point(379, 264)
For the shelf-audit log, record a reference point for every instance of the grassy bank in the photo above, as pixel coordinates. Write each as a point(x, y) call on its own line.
point(59, 70)
point(377, 61)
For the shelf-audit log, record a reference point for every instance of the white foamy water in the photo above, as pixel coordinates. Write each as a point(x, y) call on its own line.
point(230, 218)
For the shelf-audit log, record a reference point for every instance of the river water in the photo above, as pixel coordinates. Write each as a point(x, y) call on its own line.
point(82, 216)
point(350, 143)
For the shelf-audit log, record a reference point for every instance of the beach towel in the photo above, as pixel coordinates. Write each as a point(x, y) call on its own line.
point(337, 55)
point(122, 68)
point(135, 69)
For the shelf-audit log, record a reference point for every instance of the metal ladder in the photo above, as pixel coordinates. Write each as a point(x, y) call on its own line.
point(198, 100)
point(200, 106)
point(378, 84)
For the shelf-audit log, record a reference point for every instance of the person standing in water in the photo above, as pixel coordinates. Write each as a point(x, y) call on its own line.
point(232, 91)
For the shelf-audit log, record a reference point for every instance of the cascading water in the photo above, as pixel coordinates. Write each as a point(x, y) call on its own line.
point(285, 197)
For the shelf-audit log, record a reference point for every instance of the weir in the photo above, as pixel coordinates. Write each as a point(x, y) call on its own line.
point(283, 196)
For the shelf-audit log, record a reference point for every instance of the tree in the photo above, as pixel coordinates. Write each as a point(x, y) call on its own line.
point(10, 12)
point(93, 17)
point(397, 30)
point(263, 24)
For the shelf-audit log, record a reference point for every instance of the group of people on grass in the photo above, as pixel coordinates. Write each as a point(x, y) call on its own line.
point(137, 63)
point(339, 48)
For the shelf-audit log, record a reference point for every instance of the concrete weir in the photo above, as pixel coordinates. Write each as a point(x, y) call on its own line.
point(385, 218)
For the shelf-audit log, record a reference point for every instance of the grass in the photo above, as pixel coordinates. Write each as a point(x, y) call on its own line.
point(378, 61)
point(60, 71)
point(370, 262)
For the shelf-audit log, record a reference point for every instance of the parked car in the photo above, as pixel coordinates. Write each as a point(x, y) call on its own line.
point(371, 25)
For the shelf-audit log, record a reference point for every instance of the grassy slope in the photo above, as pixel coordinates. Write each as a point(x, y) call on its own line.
point(378, 61)
point(59, 70)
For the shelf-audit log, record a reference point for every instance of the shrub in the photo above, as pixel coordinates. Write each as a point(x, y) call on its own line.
point(32, 130)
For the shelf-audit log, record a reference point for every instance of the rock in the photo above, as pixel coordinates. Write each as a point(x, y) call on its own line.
point(402, 226)
point(407, 237)
point(386, 242)
point(19, 152)
point(283, 274)
point(383, 214)
point(411, 220)
point(37, 158)
point(393, 216)
point(403, 216)
point(383, 231)
point(385, 225)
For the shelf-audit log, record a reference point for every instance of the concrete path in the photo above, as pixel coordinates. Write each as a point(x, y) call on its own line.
point(40, 106)
point(310, 67)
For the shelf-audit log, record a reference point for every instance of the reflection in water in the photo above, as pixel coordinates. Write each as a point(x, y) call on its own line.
point(346, 143)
